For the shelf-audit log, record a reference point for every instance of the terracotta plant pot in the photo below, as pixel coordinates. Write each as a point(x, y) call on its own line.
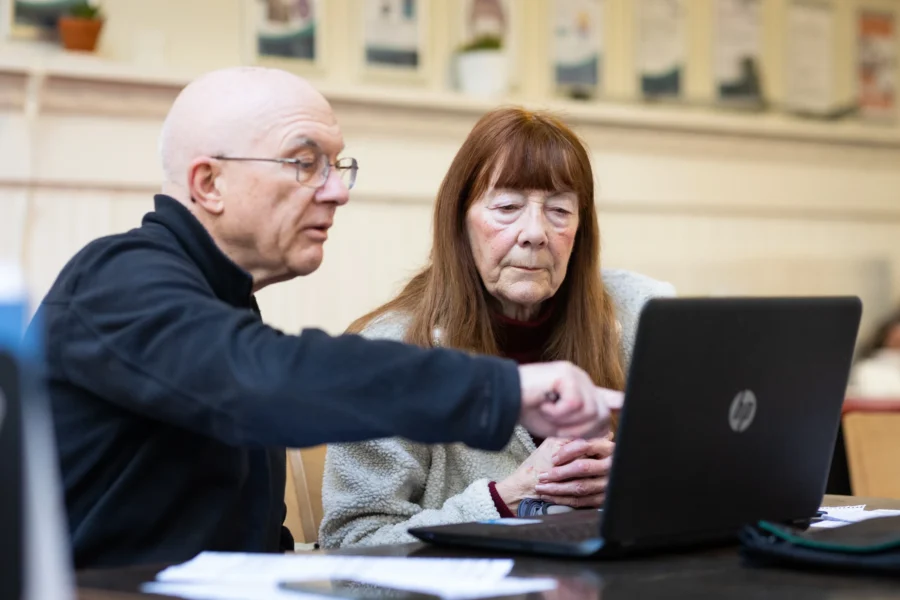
point(79, 34)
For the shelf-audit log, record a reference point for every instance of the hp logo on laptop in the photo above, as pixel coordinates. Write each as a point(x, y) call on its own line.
point(743, 409)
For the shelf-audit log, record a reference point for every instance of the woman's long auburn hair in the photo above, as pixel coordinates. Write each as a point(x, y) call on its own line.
point(512, 148)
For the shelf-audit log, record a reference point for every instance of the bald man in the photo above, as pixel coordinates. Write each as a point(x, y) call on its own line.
point(174, 402)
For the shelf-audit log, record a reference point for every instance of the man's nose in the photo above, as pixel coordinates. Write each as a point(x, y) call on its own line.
point(334, 190)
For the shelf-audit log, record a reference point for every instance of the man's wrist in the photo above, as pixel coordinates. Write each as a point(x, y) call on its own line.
point(502, 397)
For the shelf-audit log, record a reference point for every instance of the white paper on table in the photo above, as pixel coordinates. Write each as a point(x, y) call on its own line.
point(850, 514)
point(215, 591)
point(237, 567)
point(225, 575)
point(448, 589)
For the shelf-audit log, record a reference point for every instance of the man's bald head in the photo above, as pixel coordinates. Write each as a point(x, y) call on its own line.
point(251, 152)
point(227, 112)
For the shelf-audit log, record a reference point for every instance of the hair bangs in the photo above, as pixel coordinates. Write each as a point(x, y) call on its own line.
point(535, 159)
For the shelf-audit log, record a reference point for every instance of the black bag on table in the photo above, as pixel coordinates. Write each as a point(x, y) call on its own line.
point(870, 546)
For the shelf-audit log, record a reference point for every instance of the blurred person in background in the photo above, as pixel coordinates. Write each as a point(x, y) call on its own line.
point(876, 373)
point(514, 272)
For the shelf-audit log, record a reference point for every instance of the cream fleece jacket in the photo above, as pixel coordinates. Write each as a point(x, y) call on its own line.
point(373, 492)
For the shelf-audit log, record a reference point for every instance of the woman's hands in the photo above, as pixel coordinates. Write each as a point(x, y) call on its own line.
point(561, 471)
point(580, 474)
point(521, 483)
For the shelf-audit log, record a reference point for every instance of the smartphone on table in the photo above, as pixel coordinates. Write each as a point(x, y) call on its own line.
point(353, 590)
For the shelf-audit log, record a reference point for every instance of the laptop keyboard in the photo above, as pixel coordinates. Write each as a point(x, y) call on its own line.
point(560, 532)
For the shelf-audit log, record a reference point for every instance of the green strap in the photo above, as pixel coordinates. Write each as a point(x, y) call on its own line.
point(831, 546)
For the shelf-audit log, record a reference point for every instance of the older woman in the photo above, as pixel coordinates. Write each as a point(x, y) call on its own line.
point(514, 272)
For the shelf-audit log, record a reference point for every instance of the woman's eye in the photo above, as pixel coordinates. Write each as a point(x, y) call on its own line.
point(558, 211)
point(508, 208)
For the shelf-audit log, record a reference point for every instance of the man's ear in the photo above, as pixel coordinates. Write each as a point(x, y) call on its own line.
point(206, 184)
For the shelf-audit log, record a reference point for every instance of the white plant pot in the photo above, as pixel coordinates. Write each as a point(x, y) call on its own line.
point(482, 73)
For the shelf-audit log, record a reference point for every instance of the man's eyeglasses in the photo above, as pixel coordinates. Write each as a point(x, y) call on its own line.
point(312, 172)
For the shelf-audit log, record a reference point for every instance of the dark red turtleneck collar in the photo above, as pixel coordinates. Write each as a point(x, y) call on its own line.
point(524, 341)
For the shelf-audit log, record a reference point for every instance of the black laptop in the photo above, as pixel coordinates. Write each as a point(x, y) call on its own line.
point(731, 411)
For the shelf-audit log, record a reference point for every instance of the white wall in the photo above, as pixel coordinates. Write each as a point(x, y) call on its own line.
point(715, 203)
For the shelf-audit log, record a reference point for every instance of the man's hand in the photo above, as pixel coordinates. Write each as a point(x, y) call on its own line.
point(560, 400)
point(580, 474)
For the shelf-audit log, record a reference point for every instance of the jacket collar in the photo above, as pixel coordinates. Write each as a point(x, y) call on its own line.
point(229, 282)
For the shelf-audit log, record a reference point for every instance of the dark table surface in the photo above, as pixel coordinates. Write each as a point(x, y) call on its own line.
point(714, 573)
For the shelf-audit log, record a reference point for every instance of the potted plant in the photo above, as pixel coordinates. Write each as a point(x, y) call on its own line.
point(481, 67)
point(80, 29)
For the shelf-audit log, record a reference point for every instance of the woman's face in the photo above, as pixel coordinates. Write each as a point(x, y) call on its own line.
point(521, 242)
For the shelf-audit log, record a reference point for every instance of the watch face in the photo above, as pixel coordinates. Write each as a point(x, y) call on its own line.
point(530, 507)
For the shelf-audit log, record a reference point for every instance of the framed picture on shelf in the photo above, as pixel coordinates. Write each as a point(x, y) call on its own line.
point(737, 53)
point(36, 19)
point(577, 39)
point(662, 48)
point(809, 69)
point(288, 32)
point(876, 70)
point(395, 40)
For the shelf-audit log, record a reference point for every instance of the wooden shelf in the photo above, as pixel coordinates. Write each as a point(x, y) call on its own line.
point(123, 84)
